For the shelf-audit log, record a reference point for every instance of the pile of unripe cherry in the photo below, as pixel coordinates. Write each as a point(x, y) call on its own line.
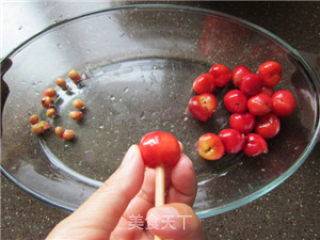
point(48, 101)
point(255, 108)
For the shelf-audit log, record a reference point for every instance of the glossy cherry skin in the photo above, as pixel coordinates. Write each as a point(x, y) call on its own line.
point(222, 74)
point(204, 84)
point(268, 126)
point(260, 104)
point(232, 140)
point(235, 101)
point(251, 84)
point(270, 73)
point(267, 90)
point(238, 73)
point(283, 103)
point(243, 122)
point(255, 145)
point(159, 148)
point(210, 146)
point(203, 106)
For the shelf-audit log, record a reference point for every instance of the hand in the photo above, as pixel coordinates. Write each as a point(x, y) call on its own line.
point(122, 208)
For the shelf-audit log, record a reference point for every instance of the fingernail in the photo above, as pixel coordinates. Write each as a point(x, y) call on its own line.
point(181, 146)
point(159, 216)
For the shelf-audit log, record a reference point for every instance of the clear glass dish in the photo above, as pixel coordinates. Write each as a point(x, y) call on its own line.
point(138, 63)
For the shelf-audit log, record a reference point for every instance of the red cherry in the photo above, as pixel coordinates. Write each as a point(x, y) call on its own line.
point(243, 122)
point(283, 103)
point(235, 101)
point(270, 73)
point(159, 148)
point(210, 147)
point(222, 74)
point(251, 84)
point(238, 73)
point(267, 90)
point(260, 104)
point(204, 83)
point(268, 126)
point(232, 140)
point(255, 145)
point(203, 106)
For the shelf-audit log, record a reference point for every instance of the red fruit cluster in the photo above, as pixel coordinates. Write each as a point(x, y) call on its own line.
point(204, 105)
point(254, 107)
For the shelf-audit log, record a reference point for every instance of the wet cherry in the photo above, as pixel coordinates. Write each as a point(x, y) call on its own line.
point(203, 106)
point(222, 74)
point(255, 145)
point(232, 140)
point(159, 148)
point(260, 104)
point(235, 101)
point(243, 122)
point(210, 147)
point(270, 73)
point(268, 126)
point(204, 84)
point(283, 103)
point(238, 73)
point(251, 84)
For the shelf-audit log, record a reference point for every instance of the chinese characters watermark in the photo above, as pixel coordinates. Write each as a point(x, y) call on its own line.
point(165, 222)
point(136, 222)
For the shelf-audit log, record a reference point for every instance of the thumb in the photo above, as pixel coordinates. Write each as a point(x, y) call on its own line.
point(174, 221)
point(97, 217)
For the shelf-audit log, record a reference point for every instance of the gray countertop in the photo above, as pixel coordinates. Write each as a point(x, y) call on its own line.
point(291, 211)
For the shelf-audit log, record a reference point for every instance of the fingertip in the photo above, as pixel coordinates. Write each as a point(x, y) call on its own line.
point(186, 163)
point(183, 176)
point(131, 166)
point(184, 224)
point(132, 155)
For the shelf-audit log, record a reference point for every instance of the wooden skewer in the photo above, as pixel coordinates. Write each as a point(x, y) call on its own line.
point(159, 189)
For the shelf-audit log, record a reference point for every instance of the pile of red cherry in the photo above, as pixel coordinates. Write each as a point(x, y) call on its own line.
point(254, 107)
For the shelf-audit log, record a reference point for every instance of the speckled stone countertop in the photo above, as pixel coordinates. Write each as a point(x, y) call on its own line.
point(291, 211)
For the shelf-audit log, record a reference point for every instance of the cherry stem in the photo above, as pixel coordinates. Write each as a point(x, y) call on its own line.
point(159, 189)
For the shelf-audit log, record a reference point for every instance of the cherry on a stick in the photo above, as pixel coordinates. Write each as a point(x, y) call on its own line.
point(159, 150)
